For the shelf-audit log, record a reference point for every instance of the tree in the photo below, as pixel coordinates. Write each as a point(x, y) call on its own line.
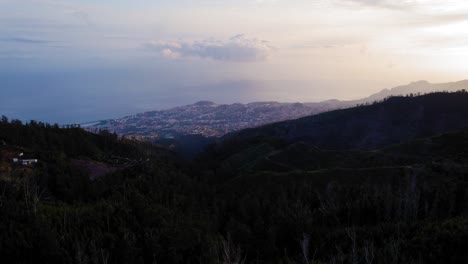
point(4, 120)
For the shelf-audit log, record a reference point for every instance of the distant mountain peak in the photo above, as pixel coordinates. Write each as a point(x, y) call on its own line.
point(421, 82)
point(204, 103)
point(263, 103)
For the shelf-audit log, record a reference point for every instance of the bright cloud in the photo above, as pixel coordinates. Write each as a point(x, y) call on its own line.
point(238, 48)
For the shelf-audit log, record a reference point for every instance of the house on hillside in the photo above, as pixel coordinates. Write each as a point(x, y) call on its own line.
point(26, 162)
point(22, 160)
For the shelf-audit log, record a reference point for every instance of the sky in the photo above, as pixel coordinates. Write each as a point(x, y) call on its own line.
point(72, 61)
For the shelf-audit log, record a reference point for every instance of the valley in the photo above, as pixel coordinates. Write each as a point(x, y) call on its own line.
point(317, 189)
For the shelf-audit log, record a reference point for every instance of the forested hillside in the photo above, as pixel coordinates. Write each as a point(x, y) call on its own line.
point(265, 198)
point(368, 126)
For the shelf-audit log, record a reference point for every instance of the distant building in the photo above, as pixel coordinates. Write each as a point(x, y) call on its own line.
point(24, 162)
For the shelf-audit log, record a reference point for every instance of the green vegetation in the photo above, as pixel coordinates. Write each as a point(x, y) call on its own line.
point(245, 200)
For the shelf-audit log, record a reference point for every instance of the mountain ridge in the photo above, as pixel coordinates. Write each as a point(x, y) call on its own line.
point(209, 119)
point(391, 121)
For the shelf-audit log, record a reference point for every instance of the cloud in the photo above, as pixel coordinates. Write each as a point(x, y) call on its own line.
point(442, 19)
point(24, 40)
point(414, 6)
point(403, 5)
point(238, 48)
point(390, 4)
point(82, 16)
point(416, 13)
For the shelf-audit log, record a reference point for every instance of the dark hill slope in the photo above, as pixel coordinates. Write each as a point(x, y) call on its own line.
point(392, 121)
point(267, 201)
point(264, 155)
point(302, 190)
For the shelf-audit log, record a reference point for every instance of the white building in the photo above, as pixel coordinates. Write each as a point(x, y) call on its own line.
point(24, 162)
point(28, 161)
